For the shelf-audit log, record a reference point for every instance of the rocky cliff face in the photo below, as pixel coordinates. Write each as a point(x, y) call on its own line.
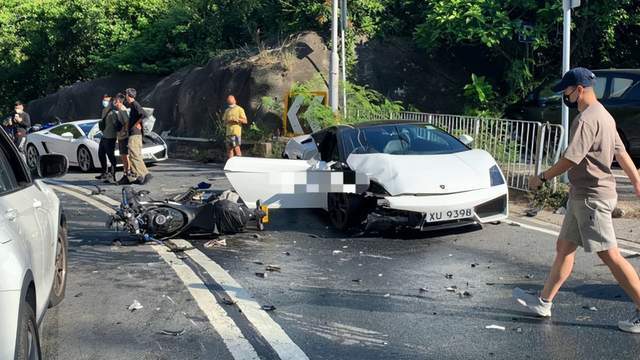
point(189, 101)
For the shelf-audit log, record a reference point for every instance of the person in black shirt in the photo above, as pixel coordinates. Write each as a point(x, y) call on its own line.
point(136, 117)
point(20, 123)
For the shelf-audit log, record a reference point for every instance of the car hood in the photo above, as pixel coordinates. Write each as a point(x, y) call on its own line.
point(426, 174)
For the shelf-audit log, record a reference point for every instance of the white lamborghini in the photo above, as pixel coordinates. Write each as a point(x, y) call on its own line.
point(381, 175)
point(78, 140)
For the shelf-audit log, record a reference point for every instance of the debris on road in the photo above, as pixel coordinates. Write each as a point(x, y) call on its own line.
point(423, 290)
point(268, 307)
point(287, 253)
point(173, 332)
point(273, 268)
point(256, 236)
point(314, 236)
point(261, 275)
point(618, 213)
point(356, 280)
point(215, 243)
point(97, 191)
point(474, 265)
point(583, 318)
point(518, 330)
point(560, 211)
point(257, 262)
point(528, 276)
point(336, 252)
point(387, 295)
point(533, 212)
point(590, 308)
point(452, 288)
point(379, 275)
point(464, 294)
point(135, 305)
point(78, 294)
point(448, 276)
point(227, 301)
point(514, 224)
point(116, 243)
point(495, 327)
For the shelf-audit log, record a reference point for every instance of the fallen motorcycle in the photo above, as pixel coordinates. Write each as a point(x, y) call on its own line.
point(197, 212)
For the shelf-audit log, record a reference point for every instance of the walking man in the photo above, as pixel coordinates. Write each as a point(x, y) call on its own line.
point(107, 146)
point(593, 144)
point(234, 117)
point(21, 122)
point(136, 116)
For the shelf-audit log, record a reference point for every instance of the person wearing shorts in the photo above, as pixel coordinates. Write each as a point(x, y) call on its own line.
point(234, 117)
point(593, 144)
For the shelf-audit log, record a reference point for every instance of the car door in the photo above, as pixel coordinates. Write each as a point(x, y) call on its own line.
point(624, 105)
point(20, 202)
point(63, 138)
point(285, 183)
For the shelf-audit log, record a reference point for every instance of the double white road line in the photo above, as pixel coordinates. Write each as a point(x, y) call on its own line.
point(237, 343)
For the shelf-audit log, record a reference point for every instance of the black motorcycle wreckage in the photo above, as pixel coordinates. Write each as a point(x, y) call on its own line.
point(197, 212)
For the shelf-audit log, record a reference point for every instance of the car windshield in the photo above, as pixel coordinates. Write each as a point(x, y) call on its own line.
point(86, 127)
point(401, 139)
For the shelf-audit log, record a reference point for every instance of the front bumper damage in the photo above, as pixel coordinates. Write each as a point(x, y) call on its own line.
point(411, 211)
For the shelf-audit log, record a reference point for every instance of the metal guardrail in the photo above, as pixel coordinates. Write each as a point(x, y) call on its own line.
point(521, 148)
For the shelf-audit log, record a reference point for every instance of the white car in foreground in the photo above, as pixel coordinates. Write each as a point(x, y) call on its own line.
point(383, 175)
point(33, 250)
point(78, 141)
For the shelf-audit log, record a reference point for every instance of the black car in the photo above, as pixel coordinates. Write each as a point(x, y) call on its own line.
point(617, 89)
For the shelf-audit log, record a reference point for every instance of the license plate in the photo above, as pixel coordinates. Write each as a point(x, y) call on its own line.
point(445, 215)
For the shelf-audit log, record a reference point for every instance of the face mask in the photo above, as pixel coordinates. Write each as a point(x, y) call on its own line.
point(19, 111)
point(566, 100)
point(105, 103)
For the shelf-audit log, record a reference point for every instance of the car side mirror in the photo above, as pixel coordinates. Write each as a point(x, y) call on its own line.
point(466, 139)
point(67, 135)
point(52, 165)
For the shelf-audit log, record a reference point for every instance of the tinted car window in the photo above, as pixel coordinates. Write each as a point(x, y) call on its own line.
point(401, 139)
point(68, 128)
point(8, 180)
point(86, 128)
point(633, 93)
point(16, 171)
point(619, 86)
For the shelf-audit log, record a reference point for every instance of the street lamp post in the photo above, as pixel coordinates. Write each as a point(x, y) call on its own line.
point(567, 6)
point(334, 61)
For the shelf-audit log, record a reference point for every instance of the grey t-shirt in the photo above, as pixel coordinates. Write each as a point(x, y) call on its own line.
point(593, 143)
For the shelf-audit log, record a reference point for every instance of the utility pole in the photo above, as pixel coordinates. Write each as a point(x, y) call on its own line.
point(334, 61)
point(567, 6)
point(343, 34)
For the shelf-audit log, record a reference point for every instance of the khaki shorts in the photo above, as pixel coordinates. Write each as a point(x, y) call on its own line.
point(588, 223)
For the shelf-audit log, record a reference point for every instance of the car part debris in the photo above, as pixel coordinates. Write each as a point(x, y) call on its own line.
point(528, 276)
point(258, 262)
point(227, 301)
point(314, 236)
point(268, 307)
point(97, 191)
point(423, 290)
point(387, 295)
point(287, 253)
point(583, 318)
point(448, 276)
point(273, 268)
point(135, 305)
point(336, 252)
point(590, 308)
point(474, 265)
point(215, 243)
point(518, 330)
point(261, 275)
point(617, 213)
point(560, 211)
point(452, 288)
point(464, 294)
point(357, 280)
point(173, 332)
point(256, 236)
point(495, 327)
point(532, 212)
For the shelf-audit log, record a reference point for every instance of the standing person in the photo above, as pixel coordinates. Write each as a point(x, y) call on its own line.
point(136, 117)
point(234, 117)
point(107, 128)
point(21, 122)
point(593, 144)
point(123, 138)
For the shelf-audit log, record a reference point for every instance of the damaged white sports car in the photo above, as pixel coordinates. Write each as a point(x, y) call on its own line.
point(381, 175)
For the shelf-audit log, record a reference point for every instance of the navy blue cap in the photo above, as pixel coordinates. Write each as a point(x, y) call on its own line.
point(574, 77)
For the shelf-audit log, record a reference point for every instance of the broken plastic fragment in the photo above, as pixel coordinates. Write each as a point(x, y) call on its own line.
point(273, 268)
point(590, 308)
point(387, 295)
point(173, 333)
point(135, 305)
point(495, 327)
point(215, 243)
point(448, 276)
point(227, 301)
point(268, 307)
point(336, 252)
point(261, 275)
point(452, 288)
point(422, 290)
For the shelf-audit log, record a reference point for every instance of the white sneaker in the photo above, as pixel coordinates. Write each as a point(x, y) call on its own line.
point(533, 303)
point(632, 325)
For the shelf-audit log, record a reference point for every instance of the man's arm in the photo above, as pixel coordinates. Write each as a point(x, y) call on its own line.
point(626, 163)
point(559, 168)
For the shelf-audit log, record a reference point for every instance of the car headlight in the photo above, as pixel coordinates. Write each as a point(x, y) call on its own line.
point(496, 176)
